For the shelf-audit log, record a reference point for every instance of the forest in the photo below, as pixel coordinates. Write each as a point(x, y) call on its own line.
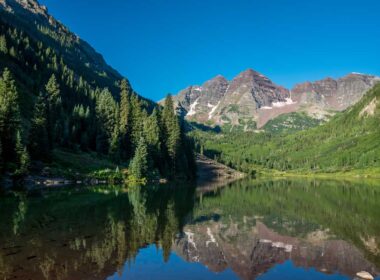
point(47, 106)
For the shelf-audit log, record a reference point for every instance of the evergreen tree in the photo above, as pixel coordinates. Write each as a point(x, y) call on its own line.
point(3, 44)
point(23, 159)
point(173, 140)
point(172, 132)
point(106, 110)
point(115, 146)
point(1, 158)
point(152, 134)
point(152, 130)
point(39, 137)
point(125, 122)
point(12, 52)
point(9, 116)
point(54, 110)
point(136, 121)
point(168, 110)
point(138, 167)
point(115, 143)
point(124, 106)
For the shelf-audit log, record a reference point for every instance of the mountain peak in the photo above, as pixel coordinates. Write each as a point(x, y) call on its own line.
point(219, 79)
point(250, 73)
point(358, 74)
point(29, 5)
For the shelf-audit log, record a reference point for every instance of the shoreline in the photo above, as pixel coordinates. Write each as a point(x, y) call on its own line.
point(212, 174)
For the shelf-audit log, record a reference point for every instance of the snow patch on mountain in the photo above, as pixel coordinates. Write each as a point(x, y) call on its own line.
point(213, 108)
point(192, 108)
point(190, 238)
point(288, 101)
point(279, 104)
point(288, 247)
point(212, 238)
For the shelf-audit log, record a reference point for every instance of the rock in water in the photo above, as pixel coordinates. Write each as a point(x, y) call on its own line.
point(364, 275)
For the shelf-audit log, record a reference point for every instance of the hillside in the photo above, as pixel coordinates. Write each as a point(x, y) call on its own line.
point(57, 93)
point(35, 45)
point(250, 100)
point(350, 140)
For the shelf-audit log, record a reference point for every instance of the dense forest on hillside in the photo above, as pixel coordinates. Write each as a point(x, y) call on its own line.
point(51, 99)
point(349, 141)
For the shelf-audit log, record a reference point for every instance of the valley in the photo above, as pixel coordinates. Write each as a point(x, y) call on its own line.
point(113, 172)
point(348, 144)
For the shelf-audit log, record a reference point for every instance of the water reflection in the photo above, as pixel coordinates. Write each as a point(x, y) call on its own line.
point(246, 230)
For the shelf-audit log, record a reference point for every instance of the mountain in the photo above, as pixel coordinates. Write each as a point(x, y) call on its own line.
point(349, 141)
point(250, 100)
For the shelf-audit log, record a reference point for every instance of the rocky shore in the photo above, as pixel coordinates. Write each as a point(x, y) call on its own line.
point(212, 174)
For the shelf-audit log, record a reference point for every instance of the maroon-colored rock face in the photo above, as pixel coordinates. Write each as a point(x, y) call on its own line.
point(330, 94)
point(252, 97)
point(259, 248)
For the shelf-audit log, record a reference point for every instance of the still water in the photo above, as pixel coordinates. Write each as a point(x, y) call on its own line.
point(251, 229)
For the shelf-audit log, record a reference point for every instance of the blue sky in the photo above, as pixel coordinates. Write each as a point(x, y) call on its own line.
point(162, 46)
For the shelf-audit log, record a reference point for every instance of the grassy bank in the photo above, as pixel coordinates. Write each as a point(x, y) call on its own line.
point(73, 166)
point(370, 173)
point(65, 161)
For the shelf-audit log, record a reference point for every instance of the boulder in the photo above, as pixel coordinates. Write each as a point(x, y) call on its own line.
point(364, 275)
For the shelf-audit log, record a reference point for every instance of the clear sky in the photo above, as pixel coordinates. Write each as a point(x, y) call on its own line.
point(162, 46)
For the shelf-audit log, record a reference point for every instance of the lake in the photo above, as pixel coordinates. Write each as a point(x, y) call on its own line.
point(250, 229)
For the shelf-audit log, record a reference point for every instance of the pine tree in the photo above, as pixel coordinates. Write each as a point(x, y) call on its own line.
point(54, 110)
point(172, 132)
point(3, 44)
point(23, 159)
point(9, 116)
point(115, 146)
point(136, 121)
point(106, 109)
point(1, 157)
point(152, 131)
point(115, 143)
point(138, 167)
point(39, 138)
point(125, 122)
point(168, 110)
point(124, 106)
point(173, 137)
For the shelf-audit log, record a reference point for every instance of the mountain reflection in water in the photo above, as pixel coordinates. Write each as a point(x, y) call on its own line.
point(251, 229)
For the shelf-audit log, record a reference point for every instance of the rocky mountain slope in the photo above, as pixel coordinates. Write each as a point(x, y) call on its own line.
point(250, 100)
point(258, 249)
